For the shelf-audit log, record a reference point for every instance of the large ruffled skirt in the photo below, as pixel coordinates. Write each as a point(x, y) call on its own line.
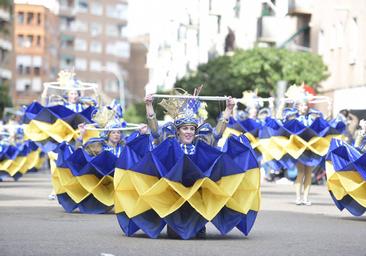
point(166, 187)
point(82, 181)
point(346, 177)
point(15, 161)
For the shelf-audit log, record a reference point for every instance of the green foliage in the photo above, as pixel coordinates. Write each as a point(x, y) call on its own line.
point(258, 68)
point(5, 100)
point(136, 113)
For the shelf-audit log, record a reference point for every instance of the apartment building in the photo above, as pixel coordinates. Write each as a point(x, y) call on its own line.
point(35, 48)
point(5, 44)
point(93, 43)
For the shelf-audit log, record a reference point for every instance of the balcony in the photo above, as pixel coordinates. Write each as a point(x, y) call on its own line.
point(5, 44)
point(296, 7)
point(67, 10)
point(275, 30)
point(4, 14)
point(5, 73)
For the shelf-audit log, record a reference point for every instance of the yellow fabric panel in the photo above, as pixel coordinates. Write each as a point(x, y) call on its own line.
point(272, 148)
point(254, 142)
point(346, 183)
point(59, 130)
point(247, 196)
point(102, 189)
point(136, 193)
point(20, 164)
point(162, 198)
point(31, 161)
point(90, 134)
point(33, 132)
point(16, 165)
point(295, 146)
point(80, 187)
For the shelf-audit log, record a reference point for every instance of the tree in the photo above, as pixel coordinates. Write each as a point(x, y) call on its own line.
point(258, 68)
point(5, 100)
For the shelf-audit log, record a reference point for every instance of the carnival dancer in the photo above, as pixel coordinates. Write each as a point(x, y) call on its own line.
point(186, 128)
point(71, 97)
point(90, 163)
point(186, 181)
point(305, 165)
point(346, 173)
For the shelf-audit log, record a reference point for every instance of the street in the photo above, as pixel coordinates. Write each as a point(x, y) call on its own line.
point(33, 225)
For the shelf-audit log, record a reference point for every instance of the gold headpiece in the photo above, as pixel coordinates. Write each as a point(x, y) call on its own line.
point(250, 99)
point(67, 79)
point(185, 110)
point(103, 116)
point(298, 93)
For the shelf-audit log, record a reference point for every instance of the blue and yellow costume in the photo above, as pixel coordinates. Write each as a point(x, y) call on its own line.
point(83, 175)
point(18, 155)
point(184, 186)
point(346, 174)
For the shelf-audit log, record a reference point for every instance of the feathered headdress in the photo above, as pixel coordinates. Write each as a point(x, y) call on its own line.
point(185, 111)
point(106, 117)
point(67, 79)
point(297, 93)
point(251, 99)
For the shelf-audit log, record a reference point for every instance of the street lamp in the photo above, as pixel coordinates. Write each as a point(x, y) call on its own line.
point(121, 84)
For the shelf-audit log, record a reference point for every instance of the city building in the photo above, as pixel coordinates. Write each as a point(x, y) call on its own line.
point(332, 29)
point(93, 43)
point(35, 42)
point(5, 44)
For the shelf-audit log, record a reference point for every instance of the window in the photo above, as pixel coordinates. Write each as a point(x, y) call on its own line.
point(37, 71)
point(37, 61)
point(20, 69)
point(22, 85)
point(20, 40)
point(37, 84)
point(96, 46)
point(96, 9)
point(80, 45)
point(20, 17)
point(67, 62)
point(28, 70)
point(112, 30)
point(95, 29)
point(120, 49)
point(81, 64)
point(30, 17)
point(38, 43)
point(95, 65)
point(80, 26)
point(121, 30)
point(67, 41)
point(29, 41)
point(118, 11)
point(39, 19)
point(83, 6)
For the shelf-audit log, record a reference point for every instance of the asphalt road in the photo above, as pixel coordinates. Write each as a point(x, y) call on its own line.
point(32, 225)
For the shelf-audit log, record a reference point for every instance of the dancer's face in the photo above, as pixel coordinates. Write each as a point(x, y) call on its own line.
point(73, 97)
point(303, 108)
point(114, 137)
point(186, 134)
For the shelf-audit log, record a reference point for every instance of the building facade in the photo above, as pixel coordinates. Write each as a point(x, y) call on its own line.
point(5, 44)
point(332, 29)
point(93, 43)
point(35, 49)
